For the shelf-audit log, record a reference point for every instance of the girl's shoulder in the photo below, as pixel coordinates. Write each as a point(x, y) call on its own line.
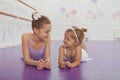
point(78, 47)
point(62, 47)
point(26, 36)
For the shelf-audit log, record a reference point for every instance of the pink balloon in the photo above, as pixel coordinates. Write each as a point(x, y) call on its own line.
point(73, 12)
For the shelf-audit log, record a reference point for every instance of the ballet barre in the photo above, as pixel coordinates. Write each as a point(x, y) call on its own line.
point(27, 5)
point(14, 16)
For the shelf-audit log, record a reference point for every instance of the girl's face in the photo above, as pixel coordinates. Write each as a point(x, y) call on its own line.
point(44, 32)
point(68, 41)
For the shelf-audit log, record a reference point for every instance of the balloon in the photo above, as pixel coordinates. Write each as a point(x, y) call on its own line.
point(63, 9)
point(94, 1)
point(73, 12)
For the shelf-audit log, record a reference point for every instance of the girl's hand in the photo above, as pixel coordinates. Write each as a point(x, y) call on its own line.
point(43, 64)
point(62, 65)
point(42, 61)
point(47, 65)
point(68, 64)
point(40, 65)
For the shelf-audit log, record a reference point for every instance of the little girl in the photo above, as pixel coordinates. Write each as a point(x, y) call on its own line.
point(74, 49)
point(36, 45)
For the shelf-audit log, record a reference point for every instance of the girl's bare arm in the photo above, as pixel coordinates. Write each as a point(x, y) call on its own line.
point(47, 50)
point(77, 57)
point(25, 50)
point(61, 57)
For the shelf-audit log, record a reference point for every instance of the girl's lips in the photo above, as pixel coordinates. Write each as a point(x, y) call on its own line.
point(64, 44)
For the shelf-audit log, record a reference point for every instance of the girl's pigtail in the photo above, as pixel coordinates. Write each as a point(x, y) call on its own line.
point(84, 29)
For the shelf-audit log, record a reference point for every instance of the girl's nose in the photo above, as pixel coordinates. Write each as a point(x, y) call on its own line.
point(64, 40)
point(48, 34)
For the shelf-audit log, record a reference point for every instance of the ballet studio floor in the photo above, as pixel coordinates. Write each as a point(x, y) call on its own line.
point(104, 66)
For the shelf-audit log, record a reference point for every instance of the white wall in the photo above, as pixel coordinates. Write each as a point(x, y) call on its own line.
point(100, 17)
point(11, 29)
point(96, 32)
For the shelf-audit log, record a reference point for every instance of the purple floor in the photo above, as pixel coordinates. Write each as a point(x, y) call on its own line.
point(104, 66)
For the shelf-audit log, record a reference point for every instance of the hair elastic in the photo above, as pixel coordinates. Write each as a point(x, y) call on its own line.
point(75, 33)
point(37, 15)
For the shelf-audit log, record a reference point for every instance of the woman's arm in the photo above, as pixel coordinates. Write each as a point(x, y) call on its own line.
point(61, 57)
point(25, 50)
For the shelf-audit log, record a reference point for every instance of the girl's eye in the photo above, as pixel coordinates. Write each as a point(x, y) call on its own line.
point(68, 39)
point(47, 31)
point(64, 38)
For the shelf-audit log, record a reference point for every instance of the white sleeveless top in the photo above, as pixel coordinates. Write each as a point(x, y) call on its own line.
point(84, 57)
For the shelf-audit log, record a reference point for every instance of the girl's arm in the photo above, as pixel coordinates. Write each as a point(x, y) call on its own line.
point(47, 63)
point(61, 57)
point(77, 58)
point(47, 50)
point(25, 50)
